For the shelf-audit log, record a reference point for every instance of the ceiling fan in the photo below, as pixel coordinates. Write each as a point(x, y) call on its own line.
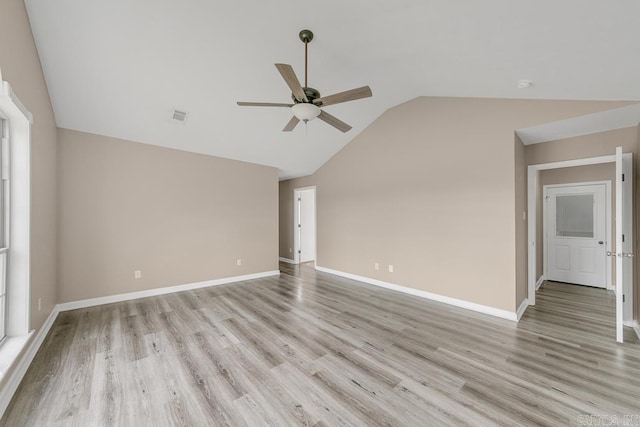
point(307, 100)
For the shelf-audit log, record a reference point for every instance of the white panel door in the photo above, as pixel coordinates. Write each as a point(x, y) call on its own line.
point(576, 222)
point(306, 224)
point(627, 241)
point(624, 240)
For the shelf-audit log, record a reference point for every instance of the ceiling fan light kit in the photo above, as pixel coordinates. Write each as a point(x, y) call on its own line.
point(305, 111)
point(307, 101)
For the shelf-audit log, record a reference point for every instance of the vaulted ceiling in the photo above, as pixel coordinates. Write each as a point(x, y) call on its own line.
point(119, 67)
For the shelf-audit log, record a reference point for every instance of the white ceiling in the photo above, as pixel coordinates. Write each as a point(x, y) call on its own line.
point(119, 67)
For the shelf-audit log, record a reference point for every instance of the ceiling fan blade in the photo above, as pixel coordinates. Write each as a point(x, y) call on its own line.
point(292, 81)
point(291, 125)
point(333, 121)
point(263, 104)
point(348, 95)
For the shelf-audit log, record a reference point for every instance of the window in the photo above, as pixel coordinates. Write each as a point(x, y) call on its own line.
point(574, 215)
point(15, 219)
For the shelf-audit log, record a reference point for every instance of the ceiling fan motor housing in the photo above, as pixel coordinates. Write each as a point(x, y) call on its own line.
point(311, 93)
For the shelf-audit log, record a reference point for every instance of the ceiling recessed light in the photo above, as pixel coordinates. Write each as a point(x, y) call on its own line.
point(523, 84)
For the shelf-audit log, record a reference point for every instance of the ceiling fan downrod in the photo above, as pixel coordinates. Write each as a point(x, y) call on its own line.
point(306, 36)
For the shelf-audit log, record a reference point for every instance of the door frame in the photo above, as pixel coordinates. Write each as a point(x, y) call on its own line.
point(533, 172)
point(608, 225)
point(296, 238)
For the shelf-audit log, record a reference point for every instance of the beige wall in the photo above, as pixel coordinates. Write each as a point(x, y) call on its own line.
point(581, 147)
point(429, 187)
point(21, 68)
point(178, 217)
point(520, 221)
point(594, 145)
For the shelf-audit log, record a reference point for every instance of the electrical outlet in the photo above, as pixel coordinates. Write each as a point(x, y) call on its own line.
point(239, 262)
point(39, 304)
point(524, 215)
point(137, 274)
point(376, 266)
point(390, 268)
point(290, 250)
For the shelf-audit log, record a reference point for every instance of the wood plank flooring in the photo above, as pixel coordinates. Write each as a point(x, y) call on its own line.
point(312, 349)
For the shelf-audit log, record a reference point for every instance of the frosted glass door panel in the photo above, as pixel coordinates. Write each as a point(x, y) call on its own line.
point(574, 215)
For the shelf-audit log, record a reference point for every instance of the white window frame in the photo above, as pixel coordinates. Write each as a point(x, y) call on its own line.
point(5, 223)
point(18, 122)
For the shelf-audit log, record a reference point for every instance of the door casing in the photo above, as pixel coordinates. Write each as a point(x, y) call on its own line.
point(532, 182)
point(296, 235)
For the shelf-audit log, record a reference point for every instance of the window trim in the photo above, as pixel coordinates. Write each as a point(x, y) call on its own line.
point(5, 224)
point(18, 122)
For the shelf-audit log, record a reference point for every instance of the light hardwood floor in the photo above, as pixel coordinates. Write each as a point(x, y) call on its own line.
point(309, 348)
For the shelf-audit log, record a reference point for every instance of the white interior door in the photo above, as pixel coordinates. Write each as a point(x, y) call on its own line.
point(627, 244)
point(305, 225)
point(575, 221)
point(624, 240)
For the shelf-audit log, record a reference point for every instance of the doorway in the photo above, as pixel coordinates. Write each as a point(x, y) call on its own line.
point(577, 233)
point(624, 236)
point(304, 224)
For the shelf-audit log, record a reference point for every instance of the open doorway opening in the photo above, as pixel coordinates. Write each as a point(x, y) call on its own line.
point(304, 224)
point(564, 255)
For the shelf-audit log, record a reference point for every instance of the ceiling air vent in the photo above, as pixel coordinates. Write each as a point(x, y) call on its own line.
point(179, 116)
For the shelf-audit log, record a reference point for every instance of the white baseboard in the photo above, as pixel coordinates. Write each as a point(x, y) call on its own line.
point(73, 305)
point(287, 260)
point(15, 376)
point(633, 324)
point(23, 364)
point(504, 314)
point(523, 307)
point(636, 328)
point(540, 281)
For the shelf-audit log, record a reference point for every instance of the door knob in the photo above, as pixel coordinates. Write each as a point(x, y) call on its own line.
point(601, 242)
